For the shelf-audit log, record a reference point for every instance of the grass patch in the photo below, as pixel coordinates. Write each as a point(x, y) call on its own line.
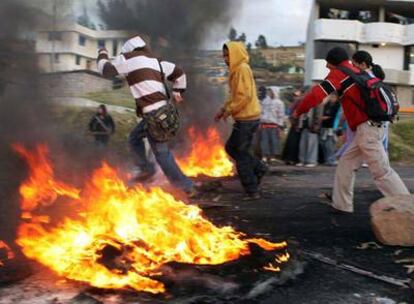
point(121, 97)
point(76, 120)
point(402, 141)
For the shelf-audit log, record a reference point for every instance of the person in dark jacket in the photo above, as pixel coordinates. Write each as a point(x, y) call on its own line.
point(367, 143)
point(102, 126)
point(291, 150)
point(327, 137)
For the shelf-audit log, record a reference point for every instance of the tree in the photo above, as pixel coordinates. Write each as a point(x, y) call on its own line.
point(242, 37)
point(233, 34)
point(249, 47)
point(261, 42)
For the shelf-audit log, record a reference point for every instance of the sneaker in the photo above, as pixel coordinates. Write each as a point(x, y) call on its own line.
point(310, 165)
point(252, 196)
point(299, 165)
point(365, 165)
point(264, 159)
point(142, 176)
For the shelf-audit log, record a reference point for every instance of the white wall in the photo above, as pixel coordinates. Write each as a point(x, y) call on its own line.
point(389, 57)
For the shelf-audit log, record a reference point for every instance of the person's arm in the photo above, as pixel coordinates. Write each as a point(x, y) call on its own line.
point(318, 93)
point(92, 125)
point(282, 113)
point(111, 69)
point(177, 77)
point(112, 125)
point(241, 92)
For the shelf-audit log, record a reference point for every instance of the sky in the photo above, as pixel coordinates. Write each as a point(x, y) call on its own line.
point(283, 22)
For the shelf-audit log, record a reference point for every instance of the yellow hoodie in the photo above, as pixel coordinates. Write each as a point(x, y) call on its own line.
point(243, 103)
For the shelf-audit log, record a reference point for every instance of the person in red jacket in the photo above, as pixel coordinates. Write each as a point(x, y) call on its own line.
point(367, 144)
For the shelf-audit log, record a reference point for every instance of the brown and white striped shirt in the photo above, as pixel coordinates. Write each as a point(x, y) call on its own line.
point(143, 74)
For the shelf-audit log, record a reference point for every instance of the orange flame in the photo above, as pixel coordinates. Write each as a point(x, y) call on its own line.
point(145, 228)
point(41, 188)
point(8, 251)
point(207, 156)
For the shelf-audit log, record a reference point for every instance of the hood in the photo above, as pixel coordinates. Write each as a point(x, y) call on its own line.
point(238, 54)
point(275, 91)
point(132, 44)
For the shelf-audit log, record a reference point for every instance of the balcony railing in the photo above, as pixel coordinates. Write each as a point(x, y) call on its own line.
point(393, 76)
point(371, 33)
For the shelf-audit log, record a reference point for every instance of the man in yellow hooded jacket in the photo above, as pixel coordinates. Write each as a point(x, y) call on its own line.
point(243, 105)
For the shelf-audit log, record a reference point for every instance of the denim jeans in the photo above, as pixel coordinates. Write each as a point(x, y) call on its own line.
point(269, 141)
point(162, 154)
point(239, 147)
point(308, 150)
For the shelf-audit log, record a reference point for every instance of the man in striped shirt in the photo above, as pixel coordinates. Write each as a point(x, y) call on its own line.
point(143, 72)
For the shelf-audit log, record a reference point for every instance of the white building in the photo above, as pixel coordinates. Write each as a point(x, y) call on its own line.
point(384, 28)
point(72, 47)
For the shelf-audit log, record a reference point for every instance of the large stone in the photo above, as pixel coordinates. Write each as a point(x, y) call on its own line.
point(392, 220)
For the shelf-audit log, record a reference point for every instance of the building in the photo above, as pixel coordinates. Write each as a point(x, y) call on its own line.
point(384, 28)
point(72, 47)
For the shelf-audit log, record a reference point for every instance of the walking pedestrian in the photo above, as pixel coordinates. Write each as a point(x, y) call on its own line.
point(147, 76)
point(328, 137)
point(367, 143)
point(243, 105)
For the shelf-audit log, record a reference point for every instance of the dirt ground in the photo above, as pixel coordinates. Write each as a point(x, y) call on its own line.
point(290, 210)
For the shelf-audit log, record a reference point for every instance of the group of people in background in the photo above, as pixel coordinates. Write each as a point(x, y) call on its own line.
point(311, 140)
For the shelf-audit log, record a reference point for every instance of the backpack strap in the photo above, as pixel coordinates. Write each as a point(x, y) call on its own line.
point(347, 83)
point(167, 90)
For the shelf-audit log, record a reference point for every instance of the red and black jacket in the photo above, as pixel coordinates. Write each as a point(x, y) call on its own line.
point(337, 81)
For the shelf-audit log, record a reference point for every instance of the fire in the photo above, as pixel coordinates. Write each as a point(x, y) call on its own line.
point(207, 156)
point(9, 254)
point(142, 229)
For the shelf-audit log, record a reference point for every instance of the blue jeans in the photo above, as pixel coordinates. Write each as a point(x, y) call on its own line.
point(308, 150)
point(239, 147)
point(162, 154)
point(269, 141)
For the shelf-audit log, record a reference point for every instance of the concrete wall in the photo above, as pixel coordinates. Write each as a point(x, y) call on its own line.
point(74, 83)
point(405, 96)
point(68, 46)
point(65, 62)
point(389, 56)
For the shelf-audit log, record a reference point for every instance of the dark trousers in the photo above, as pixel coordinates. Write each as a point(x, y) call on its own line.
point(239, 147)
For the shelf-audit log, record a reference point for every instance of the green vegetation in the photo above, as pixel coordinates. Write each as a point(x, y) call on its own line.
point(402, 141)
point(121, 97)
point(75, 121)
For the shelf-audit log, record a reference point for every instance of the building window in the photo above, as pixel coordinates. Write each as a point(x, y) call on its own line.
point(101, 44)
point(56, 58)
point(409, 58)
point(327, 12)
point(57, 36)
point(115, 48)
point(323, 47)
point(82, 40)
point(78, 60)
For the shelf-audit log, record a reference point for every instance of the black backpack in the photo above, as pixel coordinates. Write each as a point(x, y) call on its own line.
point(381, 103)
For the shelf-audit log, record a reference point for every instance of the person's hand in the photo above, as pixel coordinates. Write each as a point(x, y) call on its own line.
point(178, 98)
point(219, 116)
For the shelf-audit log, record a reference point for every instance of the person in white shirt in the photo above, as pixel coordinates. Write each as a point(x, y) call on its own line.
point(271, 124)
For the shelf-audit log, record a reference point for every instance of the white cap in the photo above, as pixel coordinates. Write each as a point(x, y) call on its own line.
point(132, 44)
